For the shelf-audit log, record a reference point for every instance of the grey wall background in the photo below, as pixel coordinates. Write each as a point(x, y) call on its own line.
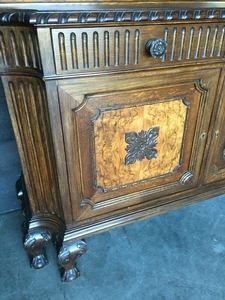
point(10, 167)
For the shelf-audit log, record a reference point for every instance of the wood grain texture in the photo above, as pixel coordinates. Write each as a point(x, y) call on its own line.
point(28, 109)
point(19, 49)
point(215, 156)
point(124, 47)
point(144, 15)
point(80, 82)
point(109, 141)
point(81, 99)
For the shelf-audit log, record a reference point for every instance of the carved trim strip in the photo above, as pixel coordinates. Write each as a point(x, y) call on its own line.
point(190, 43)
point(136, 46)
point(148, 15)
point(14, 47)
point(19, 48)
point(124, 16)
point(199, 40)
point(120, 199)
point(208, 30)
point(221, 42)
point(85, 50)
point(3, 49)
point(62, 51)
point(166, 31)
point(182, 44)
point(214, 41)
point(96, 49)
point(28, 108)
point(127, 42)
point(173, 44)
point(106, 49)
point(74, 50)
point(116, 48)
point(81, 51)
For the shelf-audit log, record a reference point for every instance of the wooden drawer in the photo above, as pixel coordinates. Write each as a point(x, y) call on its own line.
point(79, 50)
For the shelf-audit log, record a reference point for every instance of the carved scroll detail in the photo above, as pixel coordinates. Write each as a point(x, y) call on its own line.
point(141, 145)
point(28, 109)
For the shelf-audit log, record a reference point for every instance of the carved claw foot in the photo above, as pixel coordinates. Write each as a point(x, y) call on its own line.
point(70, 275)
point(34, 245)
point(67, 259)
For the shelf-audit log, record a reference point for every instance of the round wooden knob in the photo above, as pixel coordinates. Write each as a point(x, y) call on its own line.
point(156, 48)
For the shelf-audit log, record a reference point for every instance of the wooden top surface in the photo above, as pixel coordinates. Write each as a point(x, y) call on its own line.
point(83, 4)
point(111, 1)
point(53, 11)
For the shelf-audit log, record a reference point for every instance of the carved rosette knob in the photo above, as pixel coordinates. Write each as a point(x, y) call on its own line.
point(156, 48)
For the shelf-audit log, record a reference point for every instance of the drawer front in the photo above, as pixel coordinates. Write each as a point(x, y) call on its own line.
point(78, 50)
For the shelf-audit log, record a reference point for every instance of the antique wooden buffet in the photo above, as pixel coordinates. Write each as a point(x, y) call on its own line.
point(118, 110)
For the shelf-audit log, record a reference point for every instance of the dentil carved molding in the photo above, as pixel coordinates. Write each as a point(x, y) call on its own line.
point(35, 17)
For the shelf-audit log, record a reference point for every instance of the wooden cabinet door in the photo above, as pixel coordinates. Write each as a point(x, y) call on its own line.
point(215, 158)
point(133, 137)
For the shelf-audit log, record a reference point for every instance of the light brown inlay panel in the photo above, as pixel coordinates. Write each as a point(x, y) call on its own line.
point(109, 131)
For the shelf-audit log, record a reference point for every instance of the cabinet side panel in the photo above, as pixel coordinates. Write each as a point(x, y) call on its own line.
point(28, 109)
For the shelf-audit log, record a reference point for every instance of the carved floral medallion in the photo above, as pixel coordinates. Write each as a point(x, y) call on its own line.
point(141, 145)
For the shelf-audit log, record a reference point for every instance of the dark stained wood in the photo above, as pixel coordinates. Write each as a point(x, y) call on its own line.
point(109, 133)
point(215, 158)
point(112, 48)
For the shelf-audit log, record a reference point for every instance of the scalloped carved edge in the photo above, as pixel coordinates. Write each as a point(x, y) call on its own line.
point(35, 17)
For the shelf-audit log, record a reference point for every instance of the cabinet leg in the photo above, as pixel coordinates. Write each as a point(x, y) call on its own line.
point(67, 259)
point(34, 245)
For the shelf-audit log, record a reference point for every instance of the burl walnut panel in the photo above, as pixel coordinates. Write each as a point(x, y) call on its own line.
point(111, 127)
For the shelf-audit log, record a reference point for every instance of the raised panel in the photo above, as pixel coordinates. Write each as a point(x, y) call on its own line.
point(215, 158)
point(101, 115)
point(122, 138)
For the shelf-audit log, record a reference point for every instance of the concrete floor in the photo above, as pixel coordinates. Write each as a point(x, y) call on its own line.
point(178, 255)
